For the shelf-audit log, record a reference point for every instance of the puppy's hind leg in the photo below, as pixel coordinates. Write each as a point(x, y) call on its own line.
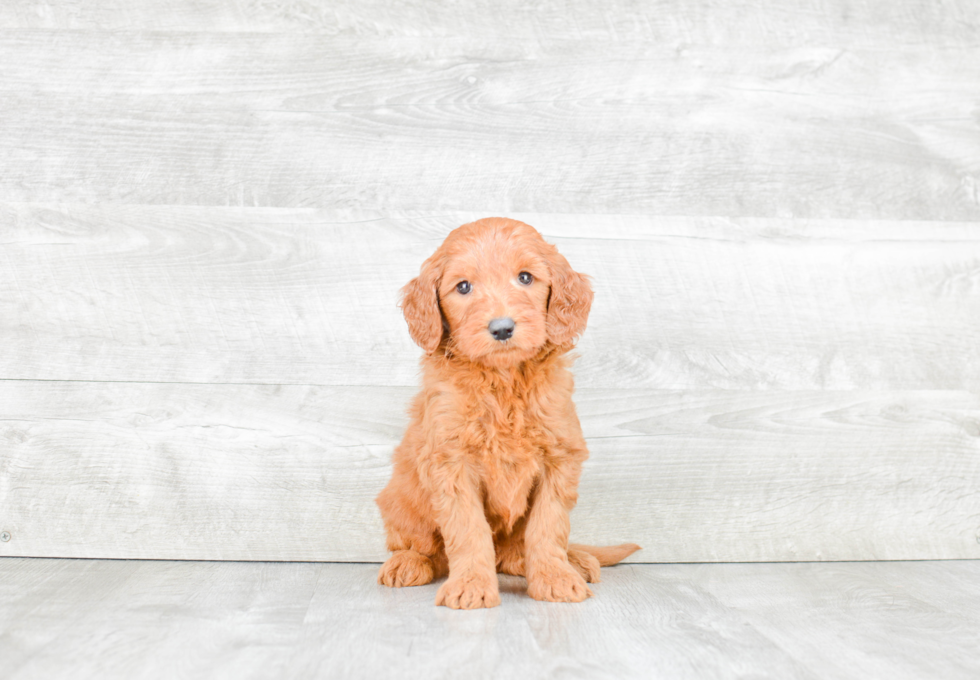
point(509, 550)
point(418, 555)
point(406, 568)
point(584, 563)
point(413, 563)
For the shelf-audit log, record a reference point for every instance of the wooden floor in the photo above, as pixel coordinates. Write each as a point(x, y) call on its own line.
point(107, 619)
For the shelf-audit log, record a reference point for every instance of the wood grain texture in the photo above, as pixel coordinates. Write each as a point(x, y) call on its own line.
point(85, 619)
point(207, 209)
point(245, 472)
point(136, 293)
point(751, 22)
point(821, 130)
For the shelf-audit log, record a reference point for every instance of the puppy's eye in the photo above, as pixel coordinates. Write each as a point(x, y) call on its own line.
point(525, 278)
point(463, 287)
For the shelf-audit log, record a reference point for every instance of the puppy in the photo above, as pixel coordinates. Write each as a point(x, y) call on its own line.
point(488, 469)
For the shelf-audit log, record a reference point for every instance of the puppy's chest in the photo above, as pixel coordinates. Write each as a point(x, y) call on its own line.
point(512, 442)
point(509, 429)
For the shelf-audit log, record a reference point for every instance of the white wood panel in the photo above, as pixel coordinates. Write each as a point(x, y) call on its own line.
point(492, 125)
point(168, 471)
point(104, 620)
point(126, 293)
point(839, 138)
point(751, 22)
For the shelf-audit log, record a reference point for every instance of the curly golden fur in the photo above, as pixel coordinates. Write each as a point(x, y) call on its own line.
point(488, 469)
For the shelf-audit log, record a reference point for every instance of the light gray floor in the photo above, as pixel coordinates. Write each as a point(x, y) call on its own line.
point(145, 619)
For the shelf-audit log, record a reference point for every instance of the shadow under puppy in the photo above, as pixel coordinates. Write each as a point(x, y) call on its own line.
point(489, 467)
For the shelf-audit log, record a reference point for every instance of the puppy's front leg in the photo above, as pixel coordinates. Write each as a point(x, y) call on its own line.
point(458, 505)
point(549, 575)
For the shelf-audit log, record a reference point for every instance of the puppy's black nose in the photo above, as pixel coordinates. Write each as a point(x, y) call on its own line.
point(501, 329)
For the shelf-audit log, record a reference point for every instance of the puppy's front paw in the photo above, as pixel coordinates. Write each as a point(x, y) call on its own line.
point(557, 583)
point(469, 590)
point(406, 568)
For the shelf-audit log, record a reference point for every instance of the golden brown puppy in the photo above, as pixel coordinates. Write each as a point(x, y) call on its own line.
point(489, 467)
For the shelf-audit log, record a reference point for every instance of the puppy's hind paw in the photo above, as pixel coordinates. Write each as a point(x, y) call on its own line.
point(406, 568)
point(585, 564)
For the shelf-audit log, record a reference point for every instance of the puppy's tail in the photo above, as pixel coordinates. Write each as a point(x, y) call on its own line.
point(607, 555)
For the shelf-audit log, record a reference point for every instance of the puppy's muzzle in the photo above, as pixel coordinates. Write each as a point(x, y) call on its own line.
point(501, 329)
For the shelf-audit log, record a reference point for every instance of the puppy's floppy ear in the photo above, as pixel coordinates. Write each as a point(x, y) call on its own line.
point(569, 302)
point(420, 305)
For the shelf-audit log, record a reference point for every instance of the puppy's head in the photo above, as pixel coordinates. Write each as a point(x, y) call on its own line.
point(496, 292)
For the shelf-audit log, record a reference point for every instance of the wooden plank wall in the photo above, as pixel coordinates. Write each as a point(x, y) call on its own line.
point(207, 209)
